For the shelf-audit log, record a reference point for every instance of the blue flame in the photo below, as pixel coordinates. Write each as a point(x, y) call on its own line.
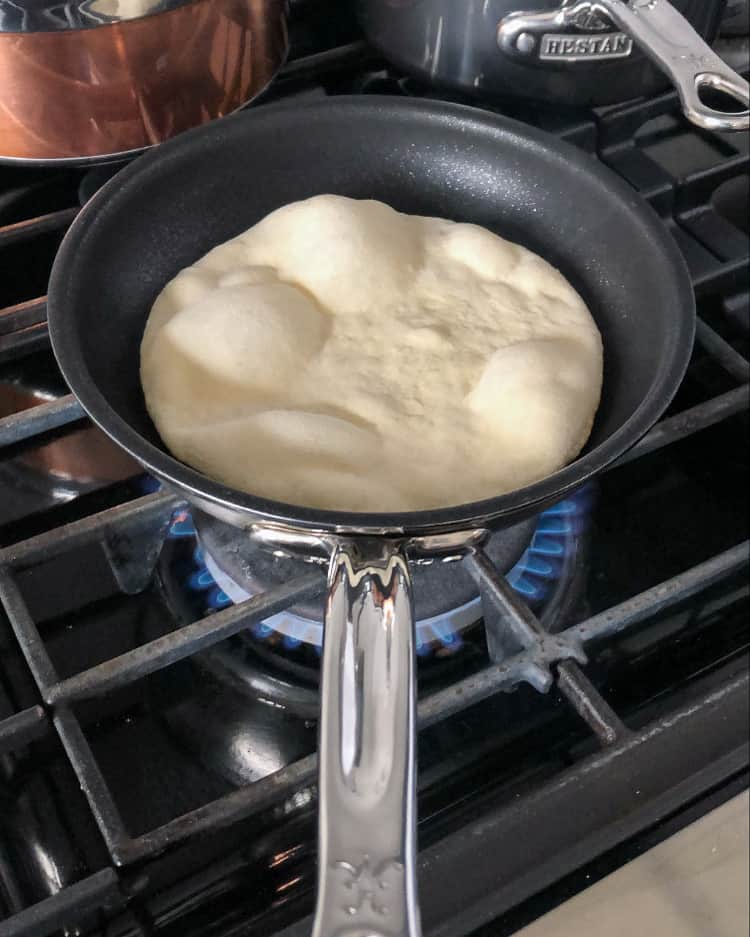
point(533, 576)
point(182, 525)
point(148, 484)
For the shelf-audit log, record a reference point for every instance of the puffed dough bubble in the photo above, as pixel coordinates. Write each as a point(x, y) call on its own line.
point(344, 257)
point(254, 335)
point(231, 342)
point(342, 355)
point(534, 397)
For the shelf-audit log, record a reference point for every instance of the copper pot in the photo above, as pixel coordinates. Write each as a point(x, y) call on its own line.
point(86, 80)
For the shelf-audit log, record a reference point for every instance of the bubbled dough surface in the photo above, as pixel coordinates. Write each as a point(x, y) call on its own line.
point(342, 355)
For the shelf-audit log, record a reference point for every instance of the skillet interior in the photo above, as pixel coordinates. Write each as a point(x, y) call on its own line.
point(173, 204)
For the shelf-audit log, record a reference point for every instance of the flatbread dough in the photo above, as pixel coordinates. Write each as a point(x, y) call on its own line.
point(342, 355)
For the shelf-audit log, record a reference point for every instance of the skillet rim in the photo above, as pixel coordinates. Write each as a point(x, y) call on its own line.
point(249, 509)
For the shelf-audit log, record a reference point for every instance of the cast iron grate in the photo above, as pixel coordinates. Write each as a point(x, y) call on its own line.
point(132, 533)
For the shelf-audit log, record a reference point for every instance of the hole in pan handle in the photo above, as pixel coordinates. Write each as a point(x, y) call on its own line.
point(664, 34)
point(367, 755)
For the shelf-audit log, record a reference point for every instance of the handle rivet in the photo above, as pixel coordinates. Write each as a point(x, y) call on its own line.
point(526, 43)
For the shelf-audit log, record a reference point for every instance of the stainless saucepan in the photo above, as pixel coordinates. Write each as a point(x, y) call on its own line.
point(581, 52)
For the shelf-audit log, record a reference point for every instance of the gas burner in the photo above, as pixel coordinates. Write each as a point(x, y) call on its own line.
point(255, 696)
point(208, 565)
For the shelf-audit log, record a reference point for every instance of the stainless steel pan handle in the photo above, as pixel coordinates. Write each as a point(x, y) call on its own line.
point(670, 41)
point(662, 33)
point(367, 810)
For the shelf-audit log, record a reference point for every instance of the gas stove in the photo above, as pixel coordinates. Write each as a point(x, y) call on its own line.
point(159, 679)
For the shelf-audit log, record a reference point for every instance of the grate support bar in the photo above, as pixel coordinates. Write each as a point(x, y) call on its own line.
point(719, 348)
point(22, 315)
point(232, 808)
point(22, 728)
point(689, 422)
point(52, 543)
point(491, 680)
point(14, 345)
point(26, 631)
point(40, 419)
point(92, 782)
point(98, 892)
point(542, 648)
point(668, 593)
point(516, 613)
point(33, 227)
point(180, 644)
point(590, 705)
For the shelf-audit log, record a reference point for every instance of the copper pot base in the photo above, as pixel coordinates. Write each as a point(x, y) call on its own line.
point(93, 95)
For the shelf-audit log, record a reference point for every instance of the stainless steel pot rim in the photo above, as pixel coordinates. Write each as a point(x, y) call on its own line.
point(247, 509)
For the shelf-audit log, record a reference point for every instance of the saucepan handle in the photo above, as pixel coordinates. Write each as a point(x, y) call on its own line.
point(664, 34)
point(660, 31)
point(367, 801)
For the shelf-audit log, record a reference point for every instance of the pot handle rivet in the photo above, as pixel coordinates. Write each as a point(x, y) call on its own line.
point(526, 43)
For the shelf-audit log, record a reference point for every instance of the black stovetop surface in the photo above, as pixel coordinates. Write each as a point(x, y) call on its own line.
point(186, 736)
